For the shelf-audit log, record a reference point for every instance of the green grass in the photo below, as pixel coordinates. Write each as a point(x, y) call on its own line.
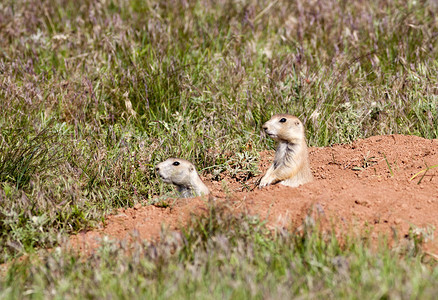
point(94, 93)
point(224, 256)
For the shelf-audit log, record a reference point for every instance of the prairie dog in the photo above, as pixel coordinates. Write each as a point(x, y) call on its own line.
point(182, 173)
point(291, 162)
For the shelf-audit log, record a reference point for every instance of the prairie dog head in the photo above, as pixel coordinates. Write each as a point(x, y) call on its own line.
point(176, 171)
point(182, 173)
point(284, 128)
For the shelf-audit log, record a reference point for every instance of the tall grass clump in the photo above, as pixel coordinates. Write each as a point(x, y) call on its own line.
point(126, 84)
point(23, 154)
point(226, 256)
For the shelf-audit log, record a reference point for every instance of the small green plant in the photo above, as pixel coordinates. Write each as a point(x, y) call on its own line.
point(389, 165)
point(241, 167)
point(367, 161)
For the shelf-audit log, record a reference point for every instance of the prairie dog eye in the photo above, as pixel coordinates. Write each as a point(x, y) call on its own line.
point(176, 163)
point(282, 120)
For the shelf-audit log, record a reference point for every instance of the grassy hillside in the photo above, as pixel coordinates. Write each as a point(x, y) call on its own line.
point(94, 93)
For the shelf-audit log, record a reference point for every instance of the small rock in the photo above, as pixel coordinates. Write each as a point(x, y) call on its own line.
point(397, 221)
point(137, 206)
point(362, 202)
point(122, 215)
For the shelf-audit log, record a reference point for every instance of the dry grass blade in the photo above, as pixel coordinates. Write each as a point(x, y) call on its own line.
point(424, 171)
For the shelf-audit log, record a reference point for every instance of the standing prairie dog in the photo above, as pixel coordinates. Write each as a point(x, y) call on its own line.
point(291, 161)
point(182, 173)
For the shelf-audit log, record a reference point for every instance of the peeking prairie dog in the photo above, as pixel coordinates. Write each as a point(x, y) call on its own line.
point(291, 161)
point(182, 173)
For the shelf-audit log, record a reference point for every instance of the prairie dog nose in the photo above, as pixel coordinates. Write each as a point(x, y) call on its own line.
point(265, 127)
point(157, 169)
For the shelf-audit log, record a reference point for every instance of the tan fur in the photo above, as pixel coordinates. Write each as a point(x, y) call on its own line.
point(291, 162)
point(183, 175)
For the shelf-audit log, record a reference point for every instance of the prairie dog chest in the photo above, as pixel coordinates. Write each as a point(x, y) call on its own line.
point(286, 154)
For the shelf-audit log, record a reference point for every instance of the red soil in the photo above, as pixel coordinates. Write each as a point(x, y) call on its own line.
point(355, 188)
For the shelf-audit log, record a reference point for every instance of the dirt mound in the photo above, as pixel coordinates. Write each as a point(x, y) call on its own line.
point(365, 184)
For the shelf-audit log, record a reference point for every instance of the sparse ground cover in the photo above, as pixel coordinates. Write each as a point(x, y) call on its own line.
point(94, 93)
point(225, 256)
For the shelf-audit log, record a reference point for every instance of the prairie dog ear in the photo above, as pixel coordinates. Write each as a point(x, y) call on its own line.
point(191, 169)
